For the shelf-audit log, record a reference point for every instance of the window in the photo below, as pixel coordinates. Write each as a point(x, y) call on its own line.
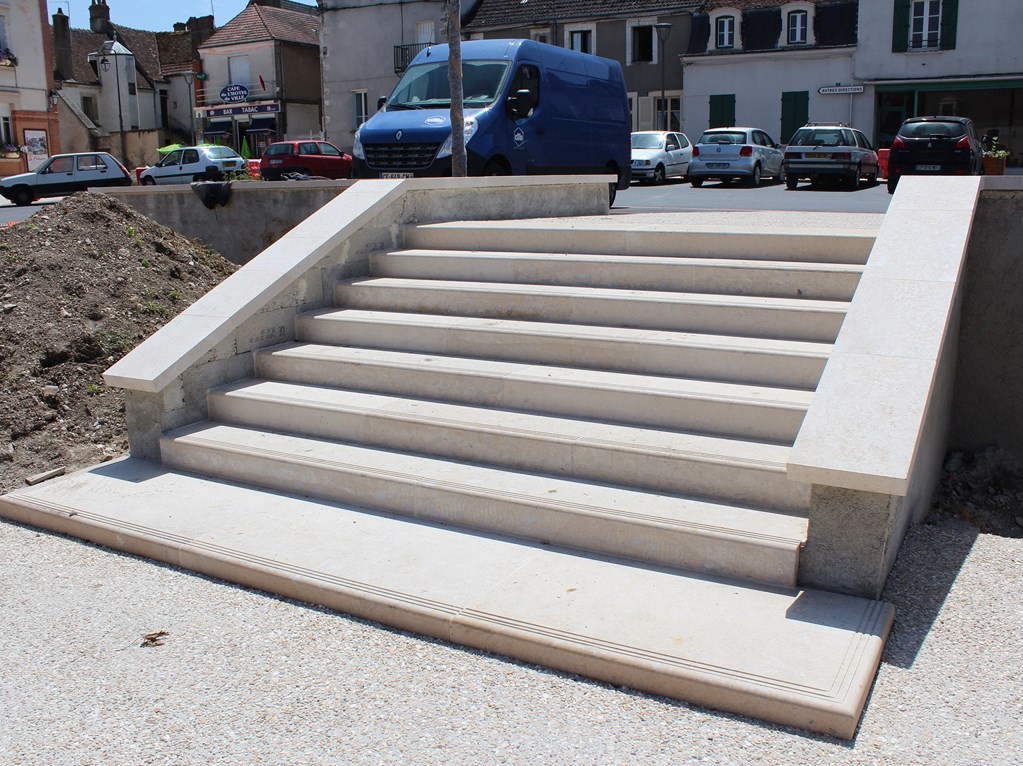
point(724, 35)
point(308, 147)
point(673, 105)
point(90, 108)
point(329, 150)
point(62, 165)
point(3, 32)
point(424, 32)
point(580, 37)
point(643, 44)
point(925, 24)
point(541, 36)
point(238, 70)
point(190, 156)
point(360, 107)
point(527, 78)
point(797, 27)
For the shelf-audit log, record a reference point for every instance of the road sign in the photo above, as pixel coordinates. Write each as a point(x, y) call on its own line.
point(833, 89)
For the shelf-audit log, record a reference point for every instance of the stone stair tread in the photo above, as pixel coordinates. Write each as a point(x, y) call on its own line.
point(582, 497)
point(793, 656)
point(792, 398)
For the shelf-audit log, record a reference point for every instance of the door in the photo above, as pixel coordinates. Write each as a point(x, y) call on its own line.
point(771, 157)
point(528, 133)
point(56, 178)
point(91, 170)
point(682, 155)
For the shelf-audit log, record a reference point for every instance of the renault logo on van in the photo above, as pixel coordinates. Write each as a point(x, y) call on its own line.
point(397, 136)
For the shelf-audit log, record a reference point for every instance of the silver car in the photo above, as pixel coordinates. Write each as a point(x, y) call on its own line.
point(820, 151)
point(194, 163)
point(748, 154)
point(658, 154)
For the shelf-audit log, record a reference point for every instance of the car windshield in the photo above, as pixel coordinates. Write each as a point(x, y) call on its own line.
point(821, 137)
point(723, 137)
point(647, 141)
point(425, 86)
point(221, 152)
point(932, 130)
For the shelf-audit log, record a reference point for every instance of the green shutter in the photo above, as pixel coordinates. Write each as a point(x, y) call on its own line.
point(900, 27)
point(722, 110)
point(949, 20)
point(795, 112)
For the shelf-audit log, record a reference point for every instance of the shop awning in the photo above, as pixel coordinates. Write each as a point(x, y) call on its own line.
point(218, 128)
point(262, 125)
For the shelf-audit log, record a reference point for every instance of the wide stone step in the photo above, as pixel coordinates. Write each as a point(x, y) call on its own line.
point(566, 236)
point(777, 279)
point(757, 361)
point(792, 656)
point(730, 470)
point(665, 530)
point(726, 409)
point(783, 318)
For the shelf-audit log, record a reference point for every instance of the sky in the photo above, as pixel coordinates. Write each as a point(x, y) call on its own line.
point(153, 15)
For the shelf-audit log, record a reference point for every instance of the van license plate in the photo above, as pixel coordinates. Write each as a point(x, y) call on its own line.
point(928, 168)
point(395, 175)
point(717, 165)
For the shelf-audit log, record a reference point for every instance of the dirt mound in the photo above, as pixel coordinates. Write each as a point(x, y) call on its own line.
point(81, 283)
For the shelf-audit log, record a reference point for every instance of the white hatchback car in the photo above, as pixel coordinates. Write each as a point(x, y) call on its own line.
point(728, 154)
point(194, 163)
point(657, 155)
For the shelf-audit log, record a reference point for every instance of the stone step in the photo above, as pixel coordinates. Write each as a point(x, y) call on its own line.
point(665, 530)
point(793, 656)
point(725, 409)
point(776, 279)
point(850, 246)
point(729, 470)
point(756, 361)
point(780, 318)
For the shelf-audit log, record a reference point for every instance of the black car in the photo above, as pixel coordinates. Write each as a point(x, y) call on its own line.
point(942, 145)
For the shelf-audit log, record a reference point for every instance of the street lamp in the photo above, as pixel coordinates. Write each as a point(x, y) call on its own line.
point(663, 30)
point(115, 49)
point(189, 78)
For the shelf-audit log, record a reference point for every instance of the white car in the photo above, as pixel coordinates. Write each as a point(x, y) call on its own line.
point(65, 174)
point(657, 155)
point(194, 163)
point(728, 154)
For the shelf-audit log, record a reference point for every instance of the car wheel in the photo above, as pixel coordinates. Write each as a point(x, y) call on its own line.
point(148, 181)
point(791, 182)
point(697, 182)
point(854, 179)
point(754, 180)
point(22, 196)
point(199, 177)
point(872, 179)
point(892, 183)
point(659, 174)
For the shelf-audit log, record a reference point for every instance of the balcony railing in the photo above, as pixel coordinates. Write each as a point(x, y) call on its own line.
point(403, 55)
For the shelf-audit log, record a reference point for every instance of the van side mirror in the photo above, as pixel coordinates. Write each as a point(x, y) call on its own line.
point(380, 102)
point(521, 103)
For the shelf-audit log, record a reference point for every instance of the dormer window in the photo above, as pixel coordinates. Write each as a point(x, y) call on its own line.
point(724, 32)
point(796, 26)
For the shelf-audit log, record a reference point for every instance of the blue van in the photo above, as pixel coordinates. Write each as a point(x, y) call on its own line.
point(530, 109)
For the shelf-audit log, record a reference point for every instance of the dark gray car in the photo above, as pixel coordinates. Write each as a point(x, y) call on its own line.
point(833, 150)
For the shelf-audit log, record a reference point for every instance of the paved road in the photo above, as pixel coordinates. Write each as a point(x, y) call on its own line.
point(11, 213)
point(676, 195)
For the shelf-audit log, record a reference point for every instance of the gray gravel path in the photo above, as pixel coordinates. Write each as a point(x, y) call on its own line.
point(246, 678)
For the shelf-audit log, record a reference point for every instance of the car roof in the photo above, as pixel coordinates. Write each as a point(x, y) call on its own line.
point(734, 127)
point(938, 118)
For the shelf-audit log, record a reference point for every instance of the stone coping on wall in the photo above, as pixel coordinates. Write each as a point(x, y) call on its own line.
point(865, 427)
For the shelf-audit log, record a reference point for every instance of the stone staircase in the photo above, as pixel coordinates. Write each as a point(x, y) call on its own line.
point(573, 457)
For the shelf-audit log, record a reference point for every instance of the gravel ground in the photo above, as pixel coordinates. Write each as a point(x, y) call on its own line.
point(246, 678)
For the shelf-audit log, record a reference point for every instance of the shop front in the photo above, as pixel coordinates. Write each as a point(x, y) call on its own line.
point(995, 106)
point(247, 128)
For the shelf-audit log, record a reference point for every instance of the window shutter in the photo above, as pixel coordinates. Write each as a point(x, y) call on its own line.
point(795, 112)
point(722, 110)
point(900, 27)
point(646, 112)
point(949, 20)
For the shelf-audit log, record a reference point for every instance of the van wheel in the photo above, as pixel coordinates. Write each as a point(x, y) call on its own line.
point(23, 196)
point(659, 174)
point(495, 169)
point(149, 181)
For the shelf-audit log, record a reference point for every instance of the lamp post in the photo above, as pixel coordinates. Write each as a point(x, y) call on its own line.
point(112, 48)
point(663, 30)
point(189, 78)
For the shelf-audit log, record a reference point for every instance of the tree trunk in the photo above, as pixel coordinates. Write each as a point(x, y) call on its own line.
point(454, 35)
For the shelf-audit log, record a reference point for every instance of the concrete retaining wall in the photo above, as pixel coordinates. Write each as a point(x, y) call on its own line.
point(256, 215)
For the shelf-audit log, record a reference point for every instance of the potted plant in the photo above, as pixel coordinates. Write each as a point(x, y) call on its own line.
point(995, 157)
point(13, 151)
point(7, 57)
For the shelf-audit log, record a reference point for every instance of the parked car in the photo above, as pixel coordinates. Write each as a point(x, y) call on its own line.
point(311, 158)
point(726, 154)
point(194, 163)
point(821, 151)
point(657, 155)
point(65, 174)
point(935, 146)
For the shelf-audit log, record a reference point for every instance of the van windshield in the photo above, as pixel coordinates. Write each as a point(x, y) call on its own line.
point(425, 86)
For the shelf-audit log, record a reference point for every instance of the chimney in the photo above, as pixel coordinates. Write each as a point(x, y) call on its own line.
point(99, 17)
point(63, 63)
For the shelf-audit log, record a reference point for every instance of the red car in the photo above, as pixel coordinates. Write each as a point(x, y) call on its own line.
point(311, 158)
